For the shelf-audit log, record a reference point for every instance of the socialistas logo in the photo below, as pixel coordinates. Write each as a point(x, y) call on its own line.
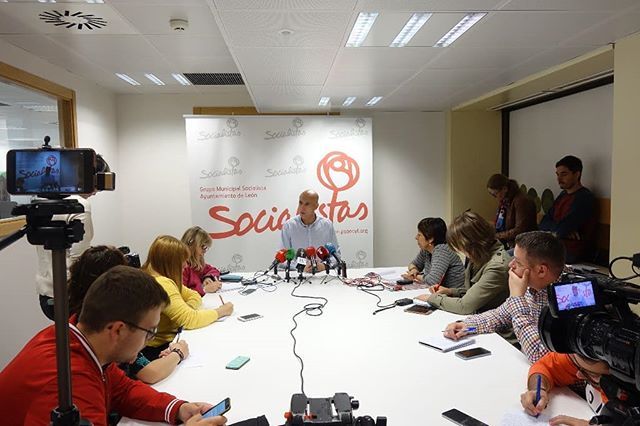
point(236, 264)
point(297, 130)
point(295, 169)
point(336, 171)
point(232, 170)
point(230, 131)
point(358, 130)
point(360, 261)
point(51, 161)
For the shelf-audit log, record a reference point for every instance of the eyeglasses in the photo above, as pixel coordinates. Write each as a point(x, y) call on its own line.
point(591, 377)
point(493, 193)
point(150, 333)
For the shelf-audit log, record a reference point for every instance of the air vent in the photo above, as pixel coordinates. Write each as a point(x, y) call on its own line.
point(214, 79)
point(76, 20)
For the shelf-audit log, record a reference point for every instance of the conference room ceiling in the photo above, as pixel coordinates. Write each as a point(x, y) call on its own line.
point(291, 53)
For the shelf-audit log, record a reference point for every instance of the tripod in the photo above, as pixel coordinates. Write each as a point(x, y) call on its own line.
point(57, 236)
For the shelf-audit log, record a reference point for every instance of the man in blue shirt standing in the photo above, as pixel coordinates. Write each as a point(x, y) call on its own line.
point(308, 229)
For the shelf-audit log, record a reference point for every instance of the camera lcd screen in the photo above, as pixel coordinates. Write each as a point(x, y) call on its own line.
point(51, 171)
point(575, 295)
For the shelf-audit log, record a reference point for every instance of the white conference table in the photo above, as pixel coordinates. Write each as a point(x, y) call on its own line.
point(375, 358)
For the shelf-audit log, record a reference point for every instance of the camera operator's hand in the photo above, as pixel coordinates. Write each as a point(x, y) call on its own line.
point(225, 310)
point(518, 285)
point(527, 400)
point(568, 421)
point(455, 330)
point(210, 285)
point(190, 414)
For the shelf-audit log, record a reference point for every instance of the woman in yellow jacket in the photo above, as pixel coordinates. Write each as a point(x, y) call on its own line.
point(165, 261)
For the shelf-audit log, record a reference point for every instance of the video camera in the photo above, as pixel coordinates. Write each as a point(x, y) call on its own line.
point(57, 172)
point(334, 411)
point(589, 315)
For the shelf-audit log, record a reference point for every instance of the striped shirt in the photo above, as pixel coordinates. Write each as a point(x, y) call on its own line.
point(521, 313)
point(443, 266)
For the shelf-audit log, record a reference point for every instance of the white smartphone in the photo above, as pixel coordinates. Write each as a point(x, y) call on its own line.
point(249, 317)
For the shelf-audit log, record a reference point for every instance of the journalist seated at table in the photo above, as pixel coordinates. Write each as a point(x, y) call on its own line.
point(436, 263)
point(537, 263)
point(83, 272)
point(556, 369)
point(486, 277)
point(166, 258)
point(120, 313)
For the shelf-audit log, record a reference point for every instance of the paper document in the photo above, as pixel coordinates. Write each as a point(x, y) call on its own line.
point(521, 418)
point(443, 344)
point(194, 361)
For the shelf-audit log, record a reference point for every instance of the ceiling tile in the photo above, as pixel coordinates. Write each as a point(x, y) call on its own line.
point(364, 58)
point(307, 28)
point(155, 20)
point(438, 25)
point(188, 45)
point(203, 64)
point(453, 77)
point(575, 5)
point(429, 5)
point(286, 4)
point(372, 76)
point(385, 28)
point(614, 29)
point(483, 57)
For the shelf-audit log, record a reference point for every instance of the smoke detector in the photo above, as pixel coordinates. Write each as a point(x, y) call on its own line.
point(179, 24)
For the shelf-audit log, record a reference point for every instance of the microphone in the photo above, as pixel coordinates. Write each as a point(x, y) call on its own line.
point(311, 255)
point(290, 255)
point(301, 261)
point(279, 258)
point(341, 266)
point(323, 255)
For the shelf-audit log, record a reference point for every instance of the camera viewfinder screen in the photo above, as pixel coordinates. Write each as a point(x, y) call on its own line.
point(41, 172)
point(575, 295)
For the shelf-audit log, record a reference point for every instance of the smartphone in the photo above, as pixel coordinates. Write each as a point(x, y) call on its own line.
point(420, 309)
point(51, 171)
point(249, 317)
point(460, 418)
point(230, 278)
point(473, 353)
point(219, 409)
point(237, 362)
point(404, 282)
point(247, 291)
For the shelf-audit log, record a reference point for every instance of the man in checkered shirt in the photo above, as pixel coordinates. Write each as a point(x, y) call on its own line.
point(538, 261)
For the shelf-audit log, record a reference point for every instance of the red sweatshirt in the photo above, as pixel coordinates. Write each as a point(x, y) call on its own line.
point(193, 278)
point(29, 386)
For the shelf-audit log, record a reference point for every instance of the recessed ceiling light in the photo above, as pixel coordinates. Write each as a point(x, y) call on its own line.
point(128, 79)
point(95, 1)
point(181, 79)
point(460, 28)
point(348, 101)
point(374, 100)
point(324, 101)
point(285, 32)
point(46, 1)
point(155, 79)
point(361, 28)
point(410, 29)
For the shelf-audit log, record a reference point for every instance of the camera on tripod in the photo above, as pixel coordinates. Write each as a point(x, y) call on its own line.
point(590, 316)
point(330, 411)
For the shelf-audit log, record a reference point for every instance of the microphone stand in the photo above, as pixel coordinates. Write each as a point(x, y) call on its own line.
point(57, 236)
point(287, 274)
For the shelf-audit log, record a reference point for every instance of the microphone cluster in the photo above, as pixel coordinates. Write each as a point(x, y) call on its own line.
point(321, 254)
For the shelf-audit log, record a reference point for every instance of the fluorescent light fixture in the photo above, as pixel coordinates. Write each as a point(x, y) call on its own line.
point(128, 79)
point(46, 1)
point(181, 79)
point(460, 28)
point(361, 28)
point(348, 101)
point(374, 100)
point(95, 1)
point(155, 79)
point(324, 101)
point(410, 29)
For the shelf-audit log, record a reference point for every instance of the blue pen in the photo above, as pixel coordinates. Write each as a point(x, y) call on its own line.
point(538, 386)
point(471, 330)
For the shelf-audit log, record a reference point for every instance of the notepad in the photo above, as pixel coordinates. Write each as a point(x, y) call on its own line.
point(443, 344)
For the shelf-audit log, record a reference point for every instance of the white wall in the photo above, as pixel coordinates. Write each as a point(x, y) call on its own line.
point(20, 313)
point(408, 155)
point(579, 124)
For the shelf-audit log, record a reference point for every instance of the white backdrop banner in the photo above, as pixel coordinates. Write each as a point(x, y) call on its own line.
point(246, 173)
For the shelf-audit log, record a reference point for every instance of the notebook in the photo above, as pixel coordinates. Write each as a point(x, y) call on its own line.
point(444, 344)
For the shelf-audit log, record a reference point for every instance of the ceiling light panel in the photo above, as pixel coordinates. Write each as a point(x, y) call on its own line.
point(154, 79)
point(348, 101)
point(361, 28)
point(460, 28)
point(413, 25)
point(324, 101)
point(181, 79)
point(374, 100)
point(128, 79)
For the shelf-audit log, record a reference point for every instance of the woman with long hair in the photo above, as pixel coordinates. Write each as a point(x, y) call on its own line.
point(198, 275)
point(165, 262)
point(486, 279)
point(516, 212)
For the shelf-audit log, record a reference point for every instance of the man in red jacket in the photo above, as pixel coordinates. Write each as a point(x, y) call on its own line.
point(120, 314)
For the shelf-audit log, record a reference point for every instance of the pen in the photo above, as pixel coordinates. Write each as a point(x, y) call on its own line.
point(535, 403)
point(469, 330)
point(436, 288)
point(221, 301)
point(178, 334)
